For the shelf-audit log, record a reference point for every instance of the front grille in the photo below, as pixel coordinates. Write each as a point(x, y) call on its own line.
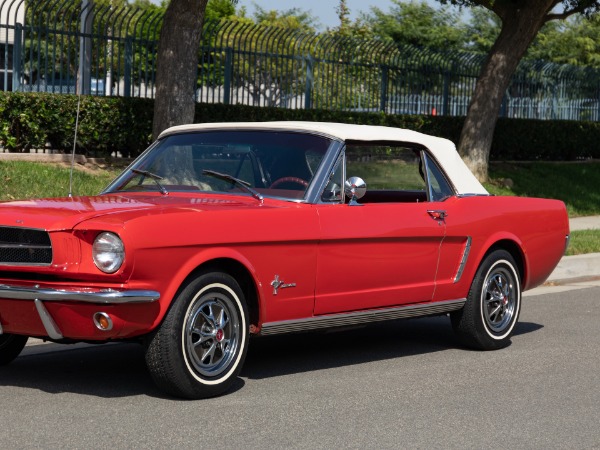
point(24, 246)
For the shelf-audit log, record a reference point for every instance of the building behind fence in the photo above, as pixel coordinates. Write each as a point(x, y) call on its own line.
point(72, 46)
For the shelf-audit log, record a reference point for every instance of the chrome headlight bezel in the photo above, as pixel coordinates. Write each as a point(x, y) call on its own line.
point(108, 252)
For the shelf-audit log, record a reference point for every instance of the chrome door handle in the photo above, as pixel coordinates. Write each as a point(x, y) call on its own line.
point(437, 214)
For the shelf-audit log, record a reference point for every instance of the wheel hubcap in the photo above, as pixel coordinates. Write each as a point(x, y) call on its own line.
point(212, 334)
point(499, 299)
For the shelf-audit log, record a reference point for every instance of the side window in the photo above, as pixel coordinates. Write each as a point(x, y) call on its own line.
point(386, 167)
point(440, 189)
point(393, 173)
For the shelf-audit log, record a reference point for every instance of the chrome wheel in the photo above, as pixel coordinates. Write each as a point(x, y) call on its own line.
point(200, 347)
point(212, 334)
point(499, 299)
point(491, 311)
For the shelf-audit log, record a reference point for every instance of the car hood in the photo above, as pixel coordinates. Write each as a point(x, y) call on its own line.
point(55, 214)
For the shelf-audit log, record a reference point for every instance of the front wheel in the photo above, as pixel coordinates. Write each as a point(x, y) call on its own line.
point(490, 314)
point(11, 346)
point(200, 347)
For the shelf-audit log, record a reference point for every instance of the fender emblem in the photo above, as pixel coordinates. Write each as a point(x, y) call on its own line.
point(280, 284)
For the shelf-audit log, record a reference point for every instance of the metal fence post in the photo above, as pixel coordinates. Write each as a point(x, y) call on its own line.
point(128, 63)
point(384, 88)
point(228, 75)
point(446, 94)
point(85, 47)
point(16, 79)
point(309, 82)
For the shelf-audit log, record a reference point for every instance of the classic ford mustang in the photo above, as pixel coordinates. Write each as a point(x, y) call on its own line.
point(222, 231)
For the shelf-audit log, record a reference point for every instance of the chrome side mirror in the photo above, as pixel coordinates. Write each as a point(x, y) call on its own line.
point(355, 188)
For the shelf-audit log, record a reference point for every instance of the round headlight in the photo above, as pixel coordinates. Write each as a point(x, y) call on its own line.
point(108, 252)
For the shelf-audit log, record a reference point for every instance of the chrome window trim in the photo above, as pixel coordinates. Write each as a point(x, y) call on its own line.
point(321, 177)
point(429, 157)
point(425, 160)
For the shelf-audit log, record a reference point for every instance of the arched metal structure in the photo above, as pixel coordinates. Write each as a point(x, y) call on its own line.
point(89, 46)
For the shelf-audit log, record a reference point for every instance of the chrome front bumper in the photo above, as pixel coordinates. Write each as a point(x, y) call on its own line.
point(100, 296)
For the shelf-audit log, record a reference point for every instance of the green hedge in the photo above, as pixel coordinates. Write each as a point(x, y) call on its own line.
point(109, 124)
point(106, 124)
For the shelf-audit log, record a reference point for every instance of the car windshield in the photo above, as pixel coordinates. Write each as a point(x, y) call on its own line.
point(269, 163)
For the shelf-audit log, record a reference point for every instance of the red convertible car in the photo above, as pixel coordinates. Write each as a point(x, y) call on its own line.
point(223, 231)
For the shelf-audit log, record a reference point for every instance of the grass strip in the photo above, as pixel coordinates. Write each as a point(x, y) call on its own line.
point(584, 241)
point(25, 180)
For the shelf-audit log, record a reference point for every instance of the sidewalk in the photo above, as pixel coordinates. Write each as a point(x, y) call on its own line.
point(585, 223)
point(579, 266)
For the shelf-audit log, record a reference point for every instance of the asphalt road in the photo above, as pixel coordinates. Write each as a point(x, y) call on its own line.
point(399, 385)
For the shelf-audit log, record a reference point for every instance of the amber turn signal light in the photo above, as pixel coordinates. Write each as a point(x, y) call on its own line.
point(103, 321)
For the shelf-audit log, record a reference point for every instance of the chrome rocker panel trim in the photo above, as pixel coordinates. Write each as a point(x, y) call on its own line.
point(360, 317)
point(102, 296)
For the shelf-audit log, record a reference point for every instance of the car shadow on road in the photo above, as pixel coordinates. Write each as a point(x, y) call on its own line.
point(109, 370)
point(296, 353)
point(119, 370)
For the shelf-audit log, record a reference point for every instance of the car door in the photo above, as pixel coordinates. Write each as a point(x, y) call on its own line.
point(385, 251)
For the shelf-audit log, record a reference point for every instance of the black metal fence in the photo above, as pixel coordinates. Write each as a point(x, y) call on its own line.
point(67, 46)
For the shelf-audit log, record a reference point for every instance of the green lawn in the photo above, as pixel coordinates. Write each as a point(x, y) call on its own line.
point(22, 180)
point(577, 184)
point(584, 241)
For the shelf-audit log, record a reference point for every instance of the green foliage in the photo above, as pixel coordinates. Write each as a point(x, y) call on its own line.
point(584, 241)
point(291, 19)
point(574, 183)
point(218, 9)
point(482, 30)
point(109, 124)
point(25, 180)
point(30, 121)
point(417, 23)
point(568, 7)
point(575, 41)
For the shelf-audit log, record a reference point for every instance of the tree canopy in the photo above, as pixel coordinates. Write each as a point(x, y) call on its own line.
point(521, 21)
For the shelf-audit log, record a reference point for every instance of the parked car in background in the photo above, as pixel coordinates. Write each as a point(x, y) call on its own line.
point(219, 232)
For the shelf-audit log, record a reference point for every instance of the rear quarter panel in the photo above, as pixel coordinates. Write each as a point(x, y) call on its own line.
point(533, 229)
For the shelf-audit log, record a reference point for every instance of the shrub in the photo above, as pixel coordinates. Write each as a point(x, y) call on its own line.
point(124, 124)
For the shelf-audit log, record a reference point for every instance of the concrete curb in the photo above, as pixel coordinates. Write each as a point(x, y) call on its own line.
point(576, 267)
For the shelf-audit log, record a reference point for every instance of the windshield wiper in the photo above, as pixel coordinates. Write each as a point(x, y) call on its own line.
point(154, 177)
point(241, 183)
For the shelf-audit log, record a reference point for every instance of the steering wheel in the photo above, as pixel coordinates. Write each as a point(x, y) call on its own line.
point(289, 180)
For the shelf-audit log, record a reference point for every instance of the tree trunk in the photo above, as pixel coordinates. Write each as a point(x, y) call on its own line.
point(177, 63)
point(520, 23)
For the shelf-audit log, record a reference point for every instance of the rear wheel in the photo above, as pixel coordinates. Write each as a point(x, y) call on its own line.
point(199, 349)
point(490, 314)
point(11, 346)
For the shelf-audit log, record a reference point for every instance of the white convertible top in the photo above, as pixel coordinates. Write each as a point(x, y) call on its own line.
point(443, 150)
